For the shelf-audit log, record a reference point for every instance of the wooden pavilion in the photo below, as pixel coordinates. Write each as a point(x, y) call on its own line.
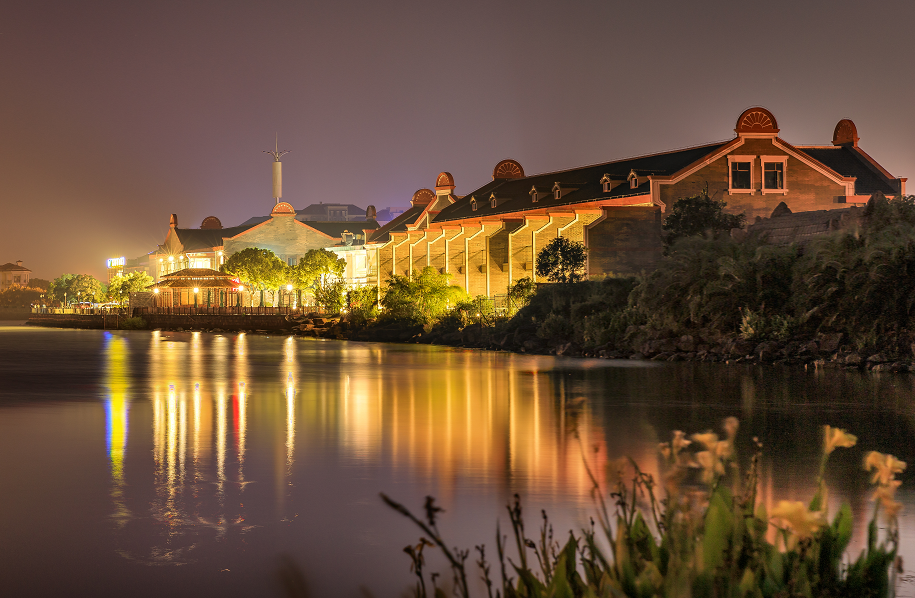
point(197, 287)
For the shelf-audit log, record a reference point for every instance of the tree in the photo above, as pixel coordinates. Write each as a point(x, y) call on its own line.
point(330, 295)
point(520, 292)
point(259, 268)
point(16, 296)
point(362, 304)
point(122, 286)
point(315, 271)
point(424, 297)
point(73, 288)
point(698, 215)
point(39, 283)
point(562, 261)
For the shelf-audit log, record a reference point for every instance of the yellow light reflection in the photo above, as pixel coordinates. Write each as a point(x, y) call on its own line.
point(117, 405)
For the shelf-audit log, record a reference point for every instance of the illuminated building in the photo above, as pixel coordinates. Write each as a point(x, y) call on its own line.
point(490, 237)
point(198, 287)
point(14, 275)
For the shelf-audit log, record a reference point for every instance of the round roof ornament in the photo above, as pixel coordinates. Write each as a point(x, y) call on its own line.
point(756, 120)
point(423, 196)
point(845, 133)
point(508, 169)
point(444, 181)
point(211, 223)
point(283, 209)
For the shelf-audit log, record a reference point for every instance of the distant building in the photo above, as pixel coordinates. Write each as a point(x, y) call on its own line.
point(14, 275)
point(332, 212)
point(285, 232)
point(387, 214)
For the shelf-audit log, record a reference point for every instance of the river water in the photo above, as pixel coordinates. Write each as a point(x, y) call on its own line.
point(184, 464)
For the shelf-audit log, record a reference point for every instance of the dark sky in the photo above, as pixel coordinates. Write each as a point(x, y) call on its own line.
point(115, 114)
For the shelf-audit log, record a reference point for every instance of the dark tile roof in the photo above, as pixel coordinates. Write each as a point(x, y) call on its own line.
point(11, 267)
point(196, 277)
point(848, 162)
point(514, 194)
point(202, 239)
point(336, 229)
point(399, 224)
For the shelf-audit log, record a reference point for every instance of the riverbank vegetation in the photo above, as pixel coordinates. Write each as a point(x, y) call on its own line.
point(847, 297)
point(699, 531)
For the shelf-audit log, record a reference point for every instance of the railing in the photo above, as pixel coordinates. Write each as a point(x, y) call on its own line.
point(190, 310)
point(83, 311)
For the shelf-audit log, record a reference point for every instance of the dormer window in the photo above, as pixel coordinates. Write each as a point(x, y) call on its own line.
point(534, 194)
point(605, 183)
point(473, 204)
point(557, 191)
point(493, 201)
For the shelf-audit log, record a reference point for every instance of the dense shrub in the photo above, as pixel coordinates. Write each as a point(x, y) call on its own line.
point(362, 304)
point(422, 298)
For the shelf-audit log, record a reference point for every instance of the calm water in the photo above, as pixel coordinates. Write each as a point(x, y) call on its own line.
point(185, 464)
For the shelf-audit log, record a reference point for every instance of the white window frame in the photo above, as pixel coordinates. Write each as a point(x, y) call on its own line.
point(752, 161)
point(762, 178)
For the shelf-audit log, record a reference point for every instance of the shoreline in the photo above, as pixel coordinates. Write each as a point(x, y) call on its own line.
point(823, 351)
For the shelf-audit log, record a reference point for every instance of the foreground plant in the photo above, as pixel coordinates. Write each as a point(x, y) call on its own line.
point(709, 536)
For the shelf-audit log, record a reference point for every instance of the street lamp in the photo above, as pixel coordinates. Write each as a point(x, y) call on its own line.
point(196, 290)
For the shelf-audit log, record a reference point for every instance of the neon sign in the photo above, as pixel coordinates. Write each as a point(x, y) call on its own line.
point(117, 262)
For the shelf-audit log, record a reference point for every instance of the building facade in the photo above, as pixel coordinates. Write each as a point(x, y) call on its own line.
point(490, 237)
point(14, 275)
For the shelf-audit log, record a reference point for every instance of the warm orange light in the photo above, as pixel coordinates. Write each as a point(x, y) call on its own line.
point(196, 290)
point(288, 287)
point(156, 290)
point(241, 288)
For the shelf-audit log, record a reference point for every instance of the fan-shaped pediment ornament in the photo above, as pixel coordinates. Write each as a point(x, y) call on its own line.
point(283, 209)
point(846, 132)
point(422, 197)
point(756, 120)
point(444, 180)
point(508, 169)
point(211, 222)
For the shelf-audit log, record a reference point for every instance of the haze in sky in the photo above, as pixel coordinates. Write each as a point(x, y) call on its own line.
point(117, 114)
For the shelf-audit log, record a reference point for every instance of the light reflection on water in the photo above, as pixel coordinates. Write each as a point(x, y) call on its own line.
point(223, 452)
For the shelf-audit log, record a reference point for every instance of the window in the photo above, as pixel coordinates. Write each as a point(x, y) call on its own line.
point(774, 168)
point(473, 204)
point(740, 174)
point(17, 279)
point(774, 175)
point(557, 192)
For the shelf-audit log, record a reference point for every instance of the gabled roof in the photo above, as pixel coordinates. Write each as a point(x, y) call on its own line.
point(514, 194)
point(849, 161)
point(397, 225)
point(11, 267)
point(321, 208)
point(202, 239)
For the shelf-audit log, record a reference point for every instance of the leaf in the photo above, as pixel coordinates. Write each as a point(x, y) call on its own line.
point(718, 528)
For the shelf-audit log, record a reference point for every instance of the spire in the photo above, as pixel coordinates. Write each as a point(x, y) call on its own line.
point(277, 169)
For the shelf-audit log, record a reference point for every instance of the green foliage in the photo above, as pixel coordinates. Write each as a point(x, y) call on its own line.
point(17, 296)
point(562, 261)
point(258, 268)
point(133, 324)
point(122, 286)
point(316, 267)
point(331, 296)
point(700, 531)
point(699, 215)
point(39, 283)
point(362, 304)
point(74, 288)
point(861, 280)
point(520, 293)
point(421, 298)
point(707, 281)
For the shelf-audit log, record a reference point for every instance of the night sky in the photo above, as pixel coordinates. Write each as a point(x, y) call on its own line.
point(116, 114)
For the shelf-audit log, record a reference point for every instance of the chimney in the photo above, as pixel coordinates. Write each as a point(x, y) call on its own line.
point(173, 221)
point(19, 263)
